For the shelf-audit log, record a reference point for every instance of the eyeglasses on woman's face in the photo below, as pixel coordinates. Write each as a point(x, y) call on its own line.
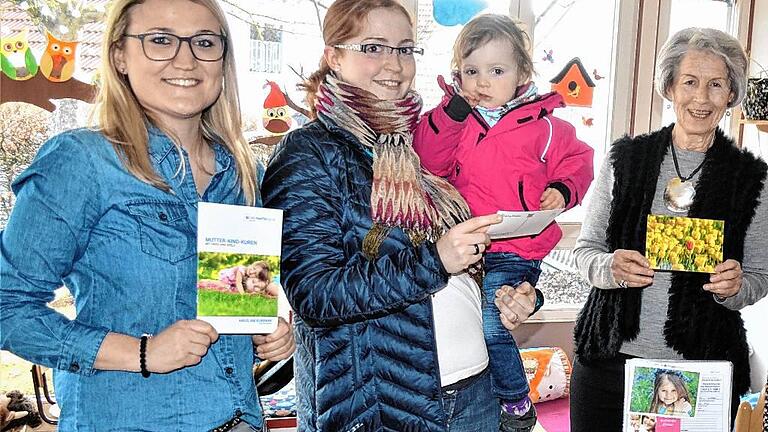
point(207, 47)
point(376, 50)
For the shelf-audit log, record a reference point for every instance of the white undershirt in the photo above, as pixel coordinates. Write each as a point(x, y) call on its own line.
point(461, 351)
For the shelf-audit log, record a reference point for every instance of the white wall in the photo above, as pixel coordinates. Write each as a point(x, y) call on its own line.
point(756, 316)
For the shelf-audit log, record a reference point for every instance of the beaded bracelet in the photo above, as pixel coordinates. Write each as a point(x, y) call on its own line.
point(143, 355)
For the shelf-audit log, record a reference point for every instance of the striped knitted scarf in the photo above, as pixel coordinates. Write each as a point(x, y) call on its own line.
point(403, 195)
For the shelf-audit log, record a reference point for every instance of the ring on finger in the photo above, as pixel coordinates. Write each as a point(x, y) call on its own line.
point(623, 283)
point(477, 249)
point(517, 317)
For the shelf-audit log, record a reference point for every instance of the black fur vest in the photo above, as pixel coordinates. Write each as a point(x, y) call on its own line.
point(697, 326)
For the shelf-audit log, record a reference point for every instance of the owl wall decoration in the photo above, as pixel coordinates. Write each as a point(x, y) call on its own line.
point(58, 60)
point(16, 58)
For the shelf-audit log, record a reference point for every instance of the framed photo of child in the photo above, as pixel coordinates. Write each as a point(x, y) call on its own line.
point(684, 244)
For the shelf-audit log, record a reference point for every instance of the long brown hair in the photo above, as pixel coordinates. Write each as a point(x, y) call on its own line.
point(344, 20)
point(124, 122)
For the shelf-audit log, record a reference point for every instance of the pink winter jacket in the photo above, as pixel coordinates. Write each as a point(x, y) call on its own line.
point(508, 166)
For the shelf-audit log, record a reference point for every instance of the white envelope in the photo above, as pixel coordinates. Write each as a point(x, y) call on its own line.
point(522, 223)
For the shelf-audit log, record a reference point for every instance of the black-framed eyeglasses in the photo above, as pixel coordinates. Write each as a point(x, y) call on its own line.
point(207, 47)
point(378, 50)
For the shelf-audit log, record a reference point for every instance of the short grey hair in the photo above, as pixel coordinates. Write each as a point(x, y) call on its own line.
point(703, 39)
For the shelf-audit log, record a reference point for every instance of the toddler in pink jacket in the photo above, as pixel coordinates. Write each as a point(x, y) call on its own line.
point(495, 139)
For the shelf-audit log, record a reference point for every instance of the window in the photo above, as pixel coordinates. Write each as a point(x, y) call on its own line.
point(565, 30)
point(266, 49)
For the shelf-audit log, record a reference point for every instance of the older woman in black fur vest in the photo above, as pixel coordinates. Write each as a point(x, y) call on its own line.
point(689, 168)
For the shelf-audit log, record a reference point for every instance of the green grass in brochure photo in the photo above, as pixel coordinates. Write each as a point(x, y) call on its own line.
point(215, 303)
point(219, 303)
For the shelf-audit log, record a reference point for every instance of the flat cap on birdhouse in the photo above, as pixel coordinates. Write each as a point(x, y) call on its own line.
point(574, 84)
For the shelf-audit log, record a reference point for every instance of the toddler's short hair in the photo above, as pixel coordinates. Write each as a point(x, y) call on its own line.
point(485, 28)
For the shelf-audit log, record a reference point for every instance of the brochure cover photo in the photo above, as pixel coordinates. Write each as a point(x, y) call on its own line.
point(684, 244)
point(238, 269)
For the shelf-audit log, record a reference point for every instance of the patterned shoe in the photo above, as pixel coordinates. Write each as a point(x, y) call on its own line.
point(512, 423)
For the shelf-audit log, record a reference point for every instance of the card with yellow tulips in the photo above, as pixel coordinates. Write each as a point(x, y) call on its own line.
point(683, 243)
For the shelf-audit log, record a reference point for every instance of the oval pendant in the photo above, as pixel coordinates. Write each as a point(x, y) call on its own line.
point(678, 195)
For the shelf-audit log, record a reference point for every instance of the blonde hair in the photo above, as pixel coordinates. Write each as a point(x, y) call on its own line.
point(123, 121)
point(489, 27)
point(344, 20)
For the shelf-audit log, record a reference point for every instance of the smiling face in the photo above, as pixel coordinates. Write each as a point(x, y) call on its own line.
point(176, 90)
point(254, 284)
point(388, 76)
point(490, 73)
point(668, 392)
point(700, 94)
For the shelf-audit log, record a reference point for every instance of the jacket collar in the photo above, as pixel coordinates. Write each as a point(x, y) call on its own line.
point(524, 113)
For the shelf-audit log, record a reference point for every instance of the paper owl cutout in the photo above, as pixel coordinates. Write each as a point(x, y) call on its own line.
point(454, 12)
point(16, 58)
point(58, 60)
point(276, 117)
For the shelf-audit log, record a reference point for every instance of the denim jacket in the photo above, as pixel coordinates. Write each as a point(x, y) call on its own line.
point(127, 252)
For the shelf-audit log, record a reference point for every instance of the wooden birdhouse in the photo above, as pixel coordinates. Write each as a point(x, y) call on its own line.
point(574, 84)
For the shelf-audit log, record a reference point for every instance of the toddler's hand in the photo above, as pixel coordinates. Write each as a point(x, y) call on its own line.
point(551, 199)
point(455, 88)
point(471, 97)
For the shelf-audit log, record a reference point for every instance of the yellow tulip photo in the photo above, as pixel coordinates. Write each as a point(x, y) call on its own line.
point(684, 244)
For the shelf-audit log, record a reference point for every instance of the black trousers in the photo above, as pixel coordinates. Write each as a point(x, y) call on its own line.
point(597, 395)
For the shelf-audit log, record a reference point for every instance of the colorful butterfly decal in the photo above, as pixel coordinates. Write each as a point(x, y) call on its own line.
point(548, 56)
point(587, 121)
point(596, 75)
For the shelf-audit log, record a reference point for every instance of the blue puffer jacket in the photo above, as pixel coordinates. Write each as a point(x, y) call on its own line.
point(366, 357)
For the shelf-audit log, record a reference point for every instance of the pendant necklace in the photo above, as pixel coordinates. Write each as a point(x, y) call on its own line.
point(679, 193)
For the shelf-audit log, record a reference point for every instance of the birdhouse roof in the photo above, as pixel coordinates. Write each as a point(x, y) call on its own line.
point(575, 61)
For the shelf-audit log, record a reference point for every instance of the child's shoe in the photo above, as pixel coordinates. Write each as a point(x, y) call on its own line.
point(512, 421)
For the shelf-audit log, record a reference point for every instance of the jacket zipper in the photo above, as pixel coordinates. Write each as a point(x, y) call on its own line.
point(522, 197)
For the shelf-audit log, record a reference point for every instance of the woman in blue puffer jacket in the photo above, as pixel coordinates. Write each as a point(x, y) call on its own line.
point(378, 255)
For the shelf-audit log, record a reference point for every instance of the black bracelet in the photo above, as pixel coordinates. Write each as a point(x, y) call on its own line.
point(143, 356)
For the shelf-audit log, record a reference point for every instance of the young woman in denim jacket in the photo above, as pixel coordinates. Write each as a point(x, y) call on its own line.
point(111, 213)
point(389, 326)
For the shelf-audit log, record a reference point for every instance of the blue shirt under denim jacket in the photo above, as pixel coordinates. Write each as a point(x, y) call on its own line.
point(127, 251)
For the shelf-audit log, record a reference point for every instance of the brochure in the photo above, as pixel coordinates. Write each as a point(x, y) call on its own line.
point(677, 396)
point(238, 267)
point(522, 223)
point(683, 243)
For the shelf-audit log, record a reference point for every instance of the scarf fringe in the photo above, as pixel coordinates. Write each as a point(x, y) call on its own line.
point(373, 240)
